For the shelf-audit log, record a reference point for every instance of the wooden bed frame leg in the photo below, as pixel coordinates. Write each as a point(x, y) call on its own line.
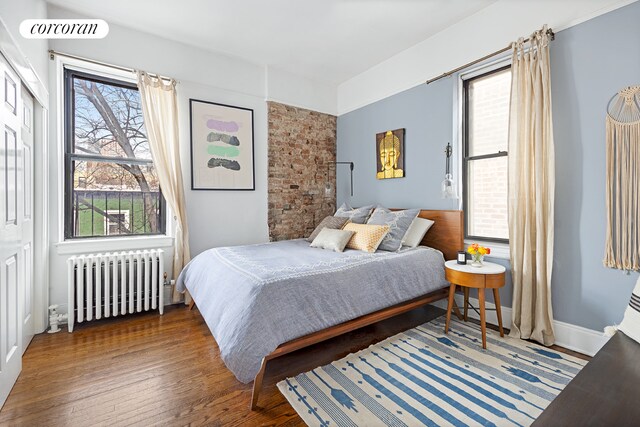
point(192, 304)
point(257, 385)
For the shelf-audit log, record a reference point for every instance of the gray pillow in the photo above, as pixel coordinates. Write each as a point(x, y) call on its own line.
point(334, 222)
point(398, 222)
point(332, 239)
point(357, 215)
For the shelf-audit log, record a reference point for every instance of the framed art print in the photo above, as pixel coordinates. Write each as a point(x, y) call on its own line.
point(221, 147)
point(390, 154)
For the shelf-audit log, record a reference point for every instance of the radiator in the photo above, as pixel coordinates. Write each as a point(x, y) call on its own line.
point(112, 284)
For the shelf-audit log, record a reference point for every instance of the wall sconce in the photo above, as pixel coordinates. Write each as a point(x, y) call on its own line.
point(327, 188)
point(448, 187)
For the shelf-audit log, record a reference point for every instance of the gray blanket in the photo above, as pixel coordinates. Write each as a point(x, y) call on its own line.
point(256, 297)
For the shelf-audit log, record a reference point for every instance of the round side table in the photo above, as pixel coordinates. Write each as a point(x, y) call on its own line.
point(489, 276)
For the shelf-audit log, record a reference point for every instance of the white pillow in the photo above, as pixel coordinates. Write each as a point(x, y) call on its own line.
point(630, 324)
point(416, 232)
point(332, 239)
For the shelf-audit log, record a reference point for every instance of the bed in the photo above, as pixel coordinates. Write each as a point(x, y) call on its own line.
point(263, 301)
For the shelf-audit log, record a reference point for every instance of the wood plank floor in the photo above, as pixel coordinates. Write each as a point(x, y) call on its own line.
point(162, 370)
point(147, 369)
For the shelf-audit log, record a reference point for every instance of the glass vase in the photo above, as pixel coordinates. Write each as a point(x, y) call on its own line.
point(477, 260)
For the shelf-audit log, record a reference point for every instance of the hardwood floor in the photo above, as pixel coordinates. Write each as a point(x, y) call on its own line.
point(162, 370)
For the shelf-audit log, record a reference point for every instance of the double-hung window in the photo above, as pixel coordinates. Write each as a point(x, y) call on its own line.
point(111, 187)
point(486, 130)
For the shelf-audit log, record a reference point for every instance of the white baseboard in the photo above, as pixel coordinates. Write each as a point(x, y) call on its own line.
point(572, 337)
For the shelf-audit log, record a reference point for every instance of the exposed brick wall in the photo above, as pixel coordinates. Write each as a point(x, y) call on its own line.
point(302, 149)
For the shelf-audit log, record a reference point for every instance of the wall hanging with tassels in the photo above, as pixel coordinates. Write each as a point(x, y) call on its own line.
point(622, 245)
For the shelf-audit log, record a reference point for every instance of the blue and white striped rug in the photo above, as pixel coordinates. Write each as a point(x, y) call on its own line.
point(423, 377)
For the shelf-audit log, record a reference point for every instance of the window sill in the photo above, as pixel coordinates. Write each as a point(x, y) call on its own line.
point(71, 247)
point(498, 250)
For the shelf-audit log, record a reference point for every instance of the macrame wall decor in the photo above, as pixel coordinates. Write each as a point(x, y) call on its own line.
point(622, 245)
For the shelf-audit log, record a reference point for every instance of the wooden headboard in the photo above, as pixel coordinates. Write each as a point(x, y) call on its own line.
point(447, 234)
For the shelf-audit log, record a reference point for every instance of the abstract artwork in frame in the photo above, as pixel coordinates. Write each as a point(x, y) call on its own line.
point(221, 147)
point(390, 154)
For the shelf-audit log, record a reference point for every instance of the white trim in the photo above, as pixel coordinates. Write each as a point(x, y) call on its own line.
point(113, 244)
point(41, 211)
point(572, 337)
point(579, 339)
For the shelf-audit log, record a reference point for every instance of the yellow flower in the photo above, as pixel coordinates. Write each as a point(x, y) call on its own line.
point(476, 249)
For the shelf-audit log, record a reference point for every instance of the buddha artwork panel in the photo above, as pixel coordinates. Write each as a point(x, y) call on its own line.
point(390, 154)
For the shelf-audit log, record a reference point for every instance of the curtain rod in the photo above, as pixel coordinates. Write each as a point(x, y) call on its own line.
point(52, 54)
point(497, 52)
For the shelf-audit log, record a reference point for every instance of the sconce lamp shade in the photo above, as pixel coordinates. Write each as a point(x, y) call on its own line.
point(448, 187)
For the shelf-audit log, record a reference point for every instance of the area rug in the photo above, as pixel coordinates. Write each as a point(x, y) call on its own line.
point(424, 377)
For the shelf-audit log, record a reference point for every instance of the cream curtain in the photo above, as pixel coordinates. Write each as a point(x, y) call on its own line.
point(160, 110)
point(531, 189)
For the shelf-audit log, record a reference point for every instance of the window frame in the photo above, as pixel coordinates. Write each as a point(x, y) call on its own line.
point(70, 156)
point(466, 158)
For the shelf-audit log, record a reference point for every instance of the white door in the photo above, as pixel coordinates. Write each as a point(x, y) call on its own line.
point(16, 226)
point(26, 135)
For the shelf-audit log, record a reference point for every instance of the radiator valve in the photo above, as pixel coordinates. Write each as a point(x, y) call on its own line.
point(55, 319)
point(168, 282)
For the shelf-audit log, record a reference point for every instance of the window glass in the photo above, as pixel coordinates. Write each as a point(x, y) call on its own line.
point(111, 185)
point(486, 157)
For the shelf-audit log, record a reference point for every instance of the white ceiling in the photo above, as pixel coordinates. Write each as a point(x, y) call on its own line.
point(326, 40)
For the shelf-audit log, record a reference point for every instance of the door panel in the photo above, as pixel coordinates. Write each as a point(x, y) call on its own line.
point(10, 91)
point(27, 300)
point(10, 175)
point(13, 241)
point(28, 177)
point(11, 297)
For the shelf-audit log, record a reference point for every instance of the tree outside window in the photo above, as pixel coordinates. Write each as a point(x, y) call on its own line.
point(111, 185)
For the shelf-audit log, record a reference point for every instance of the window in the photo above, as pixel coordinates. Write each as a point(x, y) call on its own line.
point(111, 187)
point(115, 222)
point(486, 129)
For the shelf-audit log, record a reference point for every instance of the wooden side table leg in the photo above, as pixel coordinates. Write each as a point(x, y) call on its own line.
point(483, 322)
point(466, 302)
point(496, 299)
point(456, 310)
point(452, 295)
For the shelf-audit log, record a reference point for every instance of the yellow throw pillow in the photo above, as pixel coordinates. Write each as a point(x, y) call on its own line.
point(367, 237)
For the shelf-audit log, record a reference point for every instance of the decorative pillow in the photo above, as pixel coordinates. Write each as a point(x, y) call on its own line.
point(416, 232)
point(329, 238)
point(367, 237)
point(630, 324)
point(333, 222)
point(357, 215)
point(398, 222)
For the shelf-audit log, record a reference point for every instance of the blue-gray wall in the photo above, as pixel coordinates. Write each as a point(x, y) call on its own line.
point(589, 63)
